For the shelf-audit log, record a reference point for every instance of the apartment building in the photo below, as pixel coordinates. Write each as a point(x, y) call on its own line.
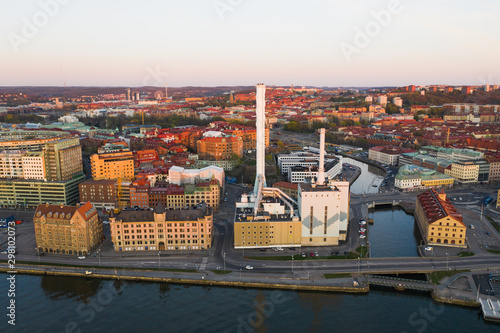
point(161, 229)
point(74, 230)
point(220, 148)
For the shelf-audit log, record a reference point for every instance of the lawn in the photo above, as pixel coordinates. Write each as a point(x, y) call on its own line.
point(435, 277)
point(465, 254)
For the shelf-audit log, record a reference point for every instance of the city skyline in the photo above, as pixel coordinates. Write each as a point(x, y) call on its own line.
point(226, 43)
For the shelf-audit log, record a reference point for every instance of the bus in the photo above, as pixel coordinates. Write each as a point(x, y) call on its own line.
point(487, 201)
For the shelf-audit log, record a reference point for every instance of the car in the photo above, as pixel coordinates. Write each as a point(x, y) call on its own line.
point(248, 267)
point(279, 248)
point(303, 254)
point(263, 250)
point(428, 248)
point(3, 252)
point(225, 199)
point(472, 226)
point(346, 253)
point(316, 254)
point(311, 254)
point(41, 254)
point(362, 236)
point(488, 233)
point(82, 257)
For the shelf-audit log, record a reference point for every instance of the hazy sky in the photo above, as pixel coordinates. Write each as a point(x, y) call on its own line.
point(243, 42)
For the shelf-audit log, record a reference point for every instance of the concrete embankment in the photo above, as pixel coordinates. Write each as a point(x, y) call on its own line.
point(202, 282)
point(455, 301)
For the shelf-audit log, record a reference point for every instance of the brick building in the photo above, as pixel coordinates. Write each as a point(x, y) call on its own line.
point(101, 193)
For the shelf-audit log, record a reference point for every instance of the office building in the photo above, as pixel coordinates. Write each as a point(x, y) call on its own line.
point(113, 165)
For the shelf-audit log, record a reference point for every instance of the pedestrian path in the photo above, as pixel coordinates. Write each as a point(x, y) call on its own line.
point(203, 265)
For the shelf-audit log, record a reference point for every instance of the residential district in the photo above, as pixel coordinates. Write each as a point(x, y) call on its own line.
point(138, 173)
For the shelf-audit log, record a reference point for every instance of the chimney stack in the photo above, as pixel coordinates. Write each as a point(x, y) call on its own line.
point(321, 166)
point(260, 124)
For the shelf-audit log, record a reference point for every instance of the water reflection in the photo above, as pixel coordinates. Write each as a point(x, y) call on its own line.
point(393, 234)
point(370, 176)
point(62, 287)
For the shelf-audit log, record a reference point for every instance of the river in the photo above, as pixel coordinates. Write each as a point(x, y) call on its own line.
point(67, 304)
point(370, 176)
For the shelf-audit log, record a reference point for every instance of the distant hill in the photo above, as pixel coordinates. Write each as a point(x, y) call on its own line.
point(85, 91)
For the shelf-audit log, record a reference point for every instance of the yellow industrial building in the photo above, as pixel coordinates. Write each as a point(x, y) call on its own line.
point(438, 220)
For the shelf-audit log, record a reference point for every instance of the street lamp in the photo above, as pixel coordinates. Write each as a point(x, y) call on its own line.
point(447, 260)
point(224, 256)
point(159, 257)
point(99, 255)
point(359, 266)
point(292, 264)
point(240, 274)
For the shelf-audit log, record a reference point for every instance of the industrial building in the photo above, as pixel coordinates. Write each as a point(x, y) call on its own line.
point(269, 217)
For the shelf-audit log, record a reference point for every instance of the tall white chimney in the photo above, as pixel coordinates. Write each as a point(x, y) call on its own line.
point(321, 166)
point(166, 91)
point(260, 124)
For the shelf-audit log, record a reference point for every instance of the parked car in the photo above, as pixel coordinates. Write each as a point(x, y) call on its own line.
point(248, 267)
point(82, 257)
point(303, 254)
point(362, 236)
point(311, 254)
point(428, 248)
point(316, 254)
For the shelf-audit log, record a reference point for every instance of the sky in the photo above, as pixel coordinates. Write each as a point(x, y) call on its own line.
point(244, 42)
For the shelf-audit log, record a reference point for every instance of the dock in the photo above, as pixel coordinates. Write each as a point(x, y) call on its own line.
point(490, 309)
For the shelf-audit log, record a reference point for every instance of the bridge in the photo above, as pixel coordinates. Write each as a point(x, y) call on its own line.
point(400, 283)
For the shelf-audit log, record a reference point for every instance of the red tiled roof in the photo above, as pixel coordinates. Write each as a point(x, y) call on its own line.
point(436, 208)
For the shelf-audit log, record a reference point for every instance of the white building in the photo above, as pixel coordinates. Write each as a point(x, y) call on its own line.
point(68, 119)
point(11, 163)
point(180, 176)
point(299, 174)
point(397, 101)
point(34, 165)
point(324, 212)
point(382, 100)
point(387, 155)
